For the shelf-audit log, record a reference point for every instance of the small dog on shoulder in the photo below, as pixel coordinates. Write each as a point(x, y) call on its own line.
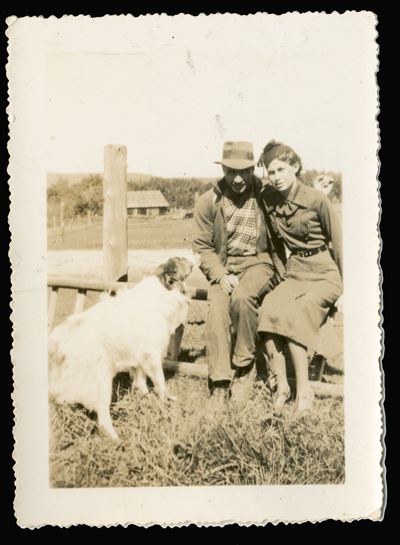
point(128, 332)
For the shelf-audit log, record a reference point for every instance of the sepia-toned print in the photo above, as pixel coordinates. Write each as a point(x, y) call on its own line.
point(201, 235)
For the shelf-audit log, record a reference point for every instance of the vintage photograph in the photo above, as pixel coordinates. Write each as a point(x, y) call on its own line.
point(199, 269)
point(267, 238)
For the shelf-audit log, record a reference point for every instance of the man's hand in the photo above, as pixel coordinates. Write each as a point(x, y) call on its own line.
point(228, 282)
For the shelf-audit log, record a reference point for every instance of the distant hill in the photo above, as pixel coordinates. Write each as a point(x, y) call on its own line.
point(76, 178)
point(53, 177)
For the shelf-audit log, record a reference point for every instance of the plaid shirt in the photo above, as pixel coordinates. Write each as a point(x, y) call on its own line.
point(241, 222)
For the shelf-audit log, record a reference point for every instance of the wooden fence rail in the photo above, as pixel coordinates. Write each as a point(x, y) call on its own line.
point(170, 362)
point(106, 285)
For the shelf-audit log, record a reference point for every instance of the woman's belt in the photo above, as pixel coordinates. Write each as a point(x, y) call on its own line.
point(308, 253)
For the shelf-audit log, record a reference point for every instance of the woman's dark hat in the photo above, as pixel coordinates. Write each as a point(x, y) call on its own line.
point(271, 151)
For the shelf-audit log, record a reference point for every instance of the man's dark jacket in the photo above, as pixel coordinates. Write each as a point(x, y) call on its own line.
point(210, 233)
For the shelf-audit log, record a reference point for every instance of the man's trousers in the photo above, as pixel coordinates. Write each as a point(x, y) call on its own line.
point(236, 316)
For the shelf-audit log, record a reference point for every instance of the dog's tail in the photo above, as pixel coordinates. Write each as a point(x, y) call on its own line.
point(58, 334)
point(56, 355)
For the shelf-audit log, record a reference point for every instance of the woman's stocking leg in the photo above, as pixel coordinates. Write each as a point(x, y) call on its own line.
point(305, 395)
point(273, 353)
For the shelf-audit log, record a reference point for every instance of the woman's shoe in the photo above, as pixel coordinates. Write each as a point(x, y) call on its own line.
point(304, 403)
point(280, 401)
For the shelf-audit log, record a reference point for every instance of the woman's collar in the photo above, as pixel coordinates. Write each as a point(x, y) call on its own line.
point(298, 195)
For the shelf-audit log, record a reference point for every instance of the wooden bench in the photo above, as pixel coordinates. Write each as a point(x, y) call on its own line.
point(171, 360)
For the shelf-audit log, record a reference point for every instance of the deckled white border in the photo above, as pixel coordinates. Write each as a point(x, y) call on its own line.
point(35, 503)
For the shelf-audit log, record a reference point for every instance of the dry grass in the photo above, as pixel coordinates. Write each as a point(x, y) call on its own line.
point(188, 443)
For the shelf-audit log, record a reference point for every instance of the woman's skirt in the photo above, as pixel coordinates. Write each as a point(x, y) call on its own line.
point(299, 305)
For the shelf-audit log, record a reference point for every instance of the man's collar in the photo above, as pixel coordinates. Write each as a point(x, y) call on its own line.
point(271, 196)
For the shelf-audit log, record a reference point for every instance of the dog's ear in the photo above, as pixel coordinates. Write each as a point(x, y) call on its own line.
point(166, 273)
point(170, 267)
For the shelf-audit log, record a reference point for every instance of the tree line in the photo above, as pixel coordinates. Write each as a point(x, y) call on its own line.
point(180, 193)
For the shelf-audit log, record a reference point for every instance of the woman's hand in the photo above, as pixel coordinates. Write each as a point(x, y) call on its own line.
point(339, 304)
point(228, 282)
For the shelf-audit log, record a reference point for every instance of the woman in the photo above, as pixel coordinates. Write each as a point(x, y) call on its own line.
point(304, 219)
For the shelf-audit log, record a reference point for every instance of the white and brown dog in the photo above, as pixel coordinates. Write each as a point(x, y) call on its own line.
point(128, 332)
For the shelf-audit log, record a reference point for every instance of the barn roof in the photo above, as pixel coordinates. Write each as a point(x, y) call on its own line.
point(146, 199)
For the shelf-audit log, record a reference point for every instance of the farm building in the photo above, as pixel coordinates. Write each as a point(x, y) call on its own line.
point(150, 203)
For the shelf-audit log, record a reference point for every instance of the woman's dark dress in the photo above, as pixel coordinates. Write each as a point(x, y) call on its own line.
point(299, 306)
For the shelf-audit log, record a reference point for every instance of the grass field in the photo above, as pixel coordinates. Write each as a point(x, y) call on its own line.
point(188, 443)
point(148, 234)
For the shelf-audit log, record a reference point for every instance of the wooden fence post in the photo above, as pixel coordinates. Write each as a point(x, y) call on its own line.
point(115, 236)
point(62, 221)
point(70, 224)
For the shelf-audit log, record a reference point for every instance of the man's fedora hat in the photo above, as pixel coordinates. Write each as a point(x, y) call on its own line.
point(237, 155)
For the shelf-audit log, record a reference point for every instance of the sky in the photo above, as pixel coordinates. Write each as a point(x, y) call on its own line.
point(173, 106)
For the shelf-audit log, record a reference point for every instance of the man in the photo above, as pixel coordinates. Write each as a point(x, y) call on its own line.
point(243, 261)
